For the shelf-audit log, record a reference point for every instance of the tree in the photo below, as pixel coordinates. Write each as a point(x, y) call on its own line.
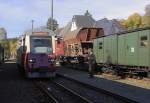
point(146, 17)
point(123, 22)
point(9, 47)
point(5, 45)
point(50, 22)
point(12, 46)
point(87, 13)
point(133, 21)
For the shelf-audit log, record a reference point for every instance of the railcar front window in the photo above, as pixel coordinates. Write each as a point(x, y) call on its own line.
point(41, 45)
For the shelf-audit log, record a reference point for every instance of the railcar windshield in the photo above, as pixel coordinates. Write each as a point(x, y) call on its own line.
point(41, 45)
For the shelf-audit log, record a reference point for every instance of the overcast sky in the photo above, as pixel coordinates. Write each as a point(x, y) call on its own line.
point(16, 15)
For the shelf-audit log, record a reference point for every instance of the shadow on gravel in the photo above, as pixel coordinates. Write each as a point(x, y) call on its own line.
point(9, 71)
point(14, 88)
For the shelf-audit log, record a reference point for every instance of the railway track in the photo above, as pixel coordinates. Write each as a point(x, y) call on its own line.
point(94, 94)
point(42, 88)
point(67, 90)
point(58, 93)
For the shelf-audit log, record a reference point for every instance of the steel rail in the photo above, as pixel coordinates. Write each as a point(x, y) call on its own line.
point(125, 99)
point(43, 89)
point(74, 93)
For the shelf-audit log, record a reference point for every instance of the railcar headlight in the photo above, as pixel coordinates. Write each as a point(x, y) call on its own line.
point(32, 61)
point(51, 60)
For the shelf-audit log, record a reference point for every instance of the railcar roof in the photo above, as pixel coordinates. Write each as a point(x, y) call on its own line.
point(39, 30)
point(124, 32)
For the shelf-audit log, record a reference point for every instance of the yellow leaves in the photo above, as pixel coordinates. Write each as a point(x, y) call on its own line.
point(136, 20)
point(9, 46)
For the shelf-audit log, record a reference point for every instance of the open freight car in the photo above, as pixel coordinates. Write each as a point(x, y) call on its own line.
point(125, 53)
point(78, 43)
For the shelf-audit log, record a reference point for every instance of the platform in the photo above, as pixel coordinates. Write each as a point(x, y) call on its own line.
point(134, 93)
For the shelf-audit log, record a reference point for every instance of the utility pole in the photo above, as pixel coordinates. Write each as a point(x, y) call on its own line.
point(52, 15)
point(32, 25)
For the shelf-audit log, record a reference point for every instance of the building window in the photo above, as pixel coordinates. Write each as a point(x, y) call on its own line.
point(143, 41)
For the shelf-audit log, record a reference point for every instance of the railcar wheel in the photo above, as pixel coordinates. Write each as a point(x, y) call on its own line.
point(135, 77)
point(140, 77)
point(130, 75)
point(148, 74)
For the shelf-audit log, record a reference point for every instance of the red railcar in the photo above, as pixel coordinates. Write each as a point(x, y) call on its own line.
point(35, 54)
point(59, 47)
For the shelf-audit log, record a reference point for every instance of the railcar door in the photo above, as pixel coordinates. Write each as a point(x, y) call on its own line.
point(121, 50)
point(114, 48)
point(100, 50)
point(144, 48)
point(95, 49)
point(132, 48)
point(107, 50)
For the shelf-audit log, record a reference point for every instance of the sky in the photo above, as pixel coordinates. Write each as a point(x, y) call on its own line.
point(16, 15)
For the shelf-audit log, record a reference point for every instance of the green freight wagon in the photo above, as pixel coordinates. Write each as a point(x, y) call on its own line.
point(105, 49)
point(134, 48)
point(98, 48)
point(129, 51)
point(110, 49)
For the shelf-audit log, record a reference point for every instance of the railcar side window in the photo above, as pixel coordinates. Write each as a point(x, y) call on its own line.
point(143, 42)
point(100, 45)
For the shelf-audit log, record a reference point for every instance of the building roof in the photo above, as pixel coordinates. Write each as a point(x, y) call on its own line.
point(109, 26)
point(80, 21)
point(83, 21)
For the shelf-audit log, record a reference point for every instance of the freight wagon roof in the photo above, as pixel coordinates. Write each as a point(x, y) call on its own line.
point(135, 30)
point(71, 34)
point(109, 26)
point(65, 30)
point(125, 32)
